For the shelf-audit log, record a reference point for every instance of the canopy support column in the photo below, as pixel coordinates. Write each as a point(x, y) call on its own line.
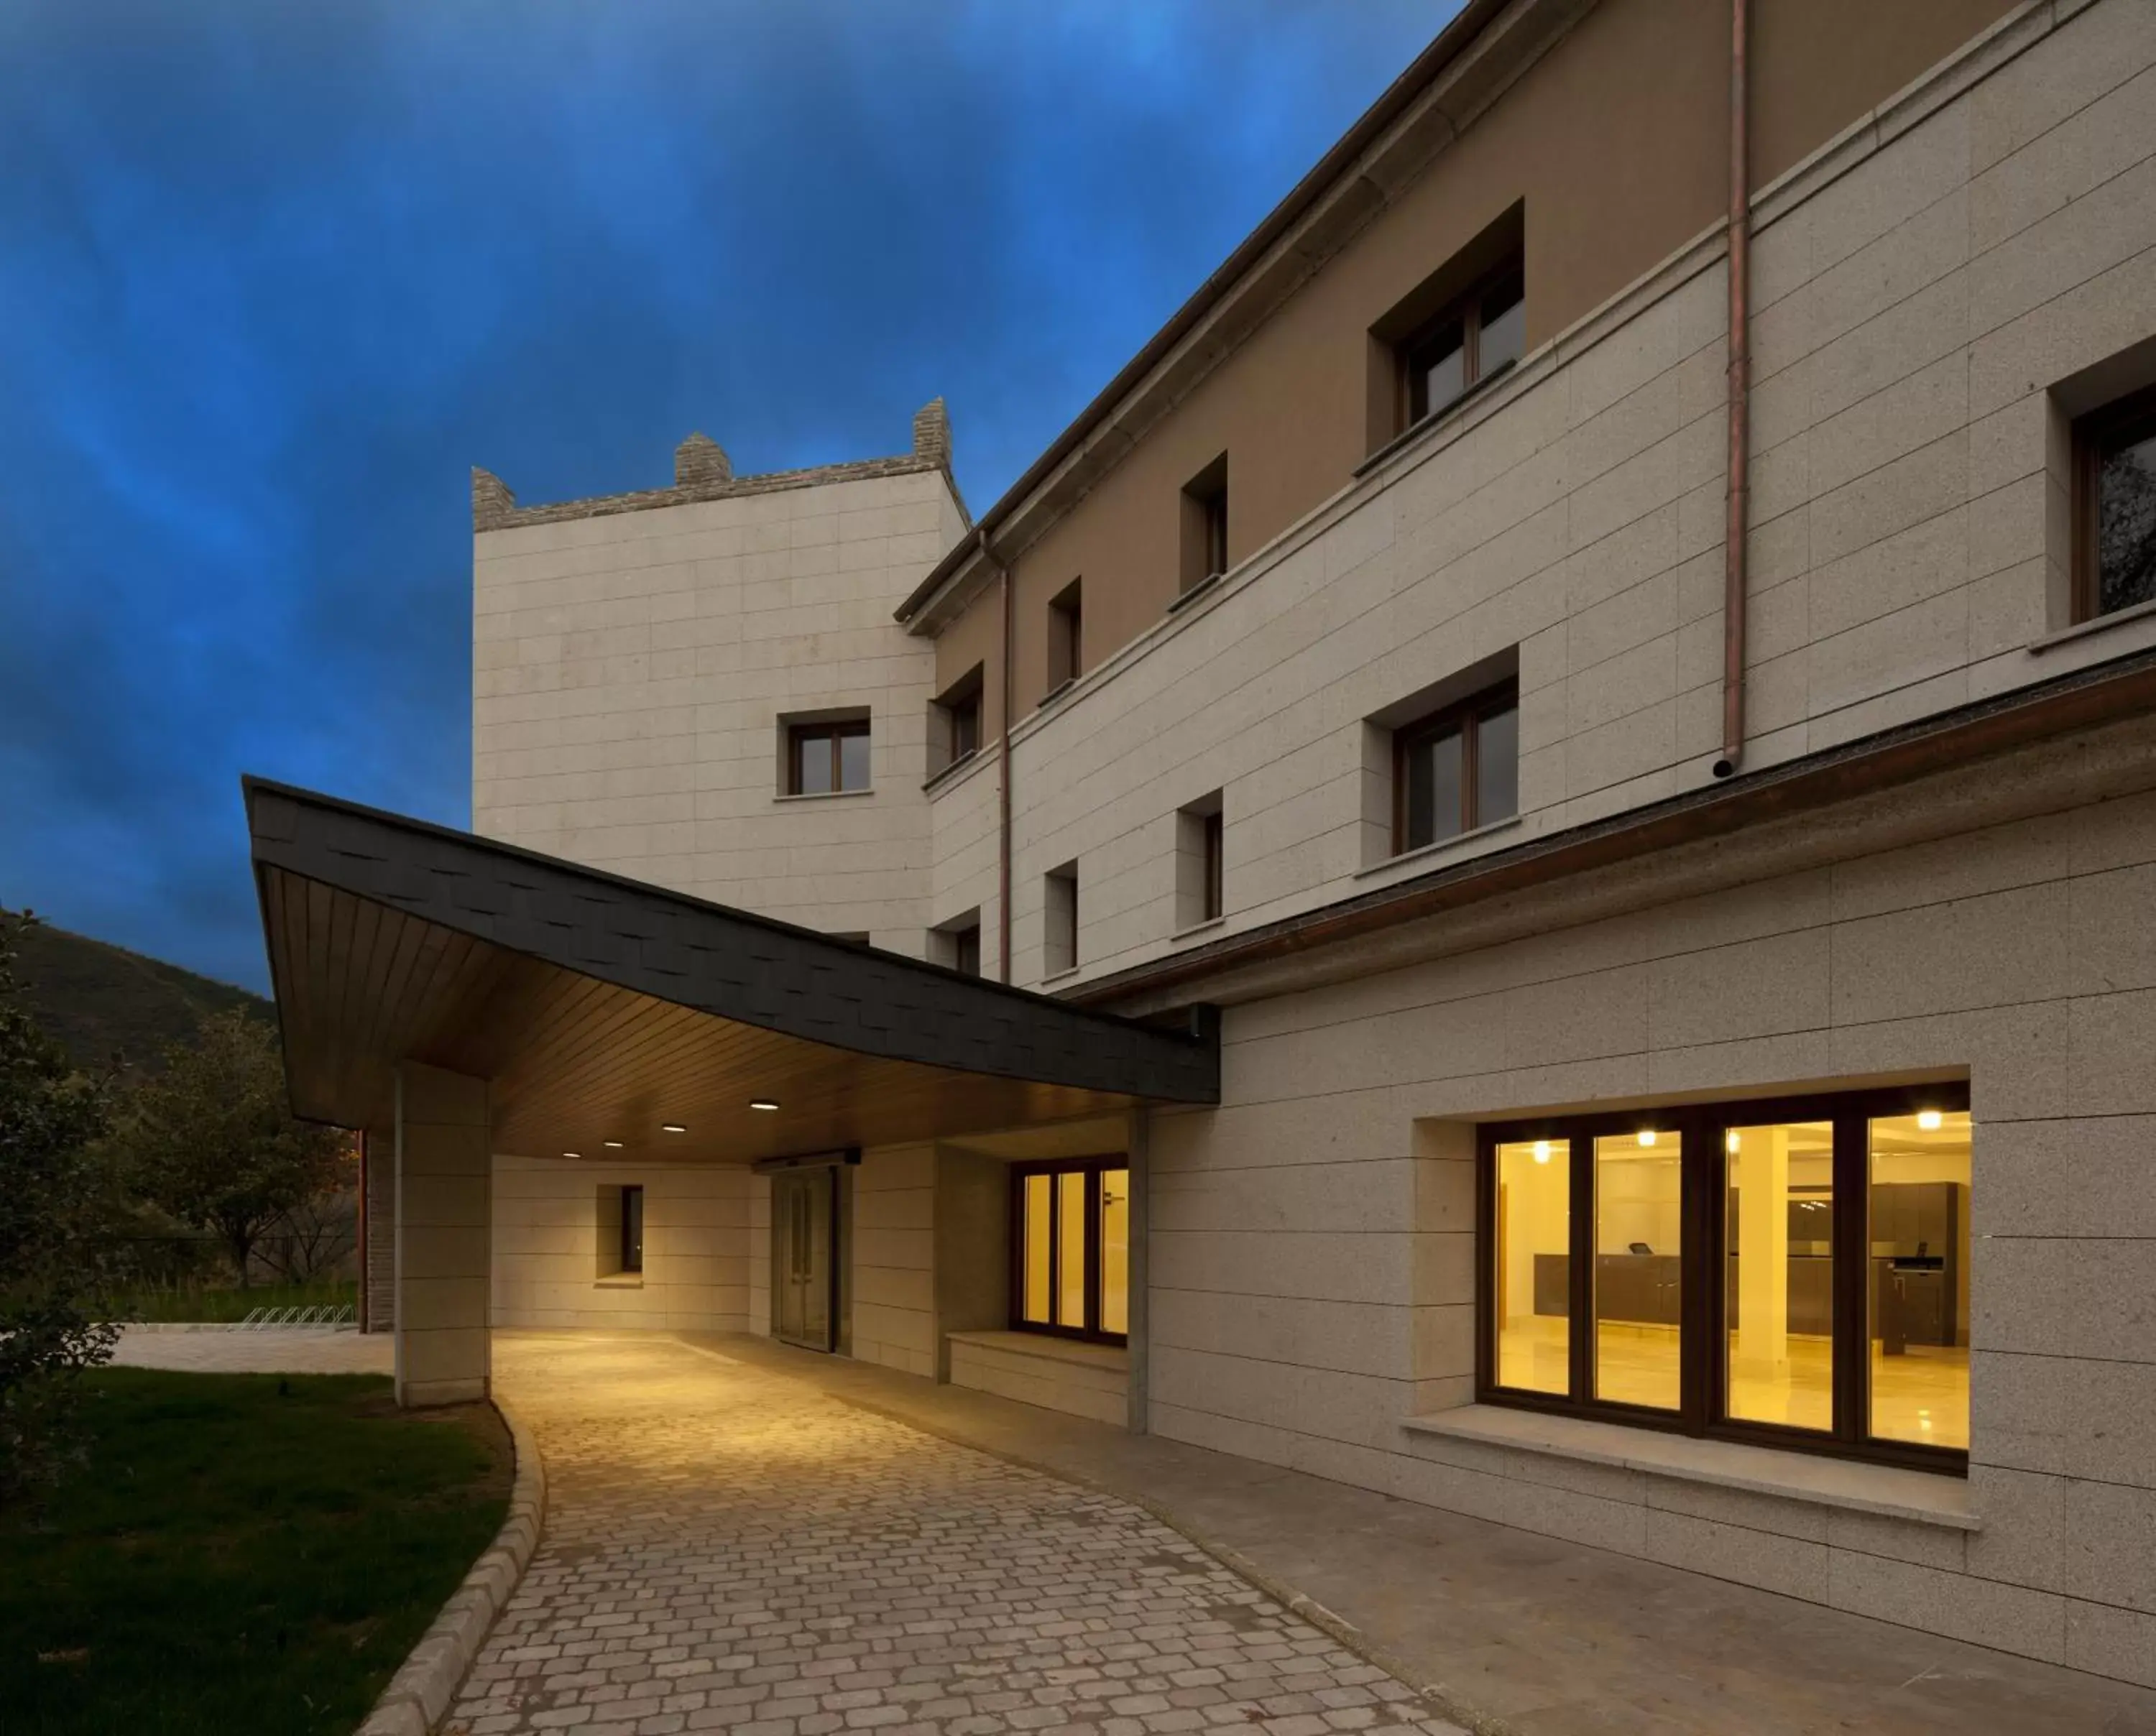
point(445, 1236)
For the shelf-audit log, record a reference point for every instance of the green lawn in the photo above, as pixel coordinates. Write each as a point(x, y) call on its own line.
point(242, 1552)
point(232, 1304)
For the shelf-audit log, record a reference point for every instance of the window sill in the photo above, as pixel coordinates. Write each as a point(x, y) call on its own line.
point(1198, 928)
point(620, 1281)
point(826, 795)
point(1425, 851)
point(1068, 971)
point(1921, 1497)
point(1196, 590)
point(936, 779)
point(2082, 629)
point(1080, 1352)
point(1057, 692)
point(1444, 412)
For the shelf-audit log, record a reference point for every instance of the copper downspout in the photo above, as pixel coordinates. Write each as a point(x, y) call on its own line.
point(1740, 389)
point(1003, 773)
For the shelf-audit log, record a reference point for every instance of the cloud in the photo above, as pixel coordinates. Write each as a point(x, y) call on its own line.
point(272, 278)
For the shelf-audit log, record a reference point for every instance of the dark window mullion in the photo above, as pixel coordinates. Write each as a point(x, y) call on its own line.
point(1696, 1344)
point(1581, 1150)
point(1852, 1280)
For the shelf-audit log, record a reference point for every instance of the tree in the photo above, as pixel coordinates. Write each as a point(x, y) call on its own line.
point(214, 1142)
point(52, 1252)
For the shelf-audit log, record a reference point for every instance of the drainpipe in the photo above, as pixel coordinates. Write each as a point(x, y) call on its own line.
point(1003, 771)
point(1740, 391)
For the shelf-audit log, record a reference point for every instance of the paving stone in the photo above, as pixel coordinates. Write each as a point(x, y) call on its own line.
point(729, 1550)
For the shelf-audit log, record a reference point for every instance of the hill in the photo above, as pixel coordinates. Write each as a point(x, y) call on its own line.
point(97, 1001)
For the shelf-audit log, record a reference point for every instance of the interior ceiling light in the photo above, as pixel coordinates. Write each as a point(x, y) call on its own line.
point(1646, 1136)
point(612, 1144)
point(1929, 1120)
point(572, 1154)
point(672, 1127)
point(1542, 1151)
point(762, 1103)
point(1735, 1140)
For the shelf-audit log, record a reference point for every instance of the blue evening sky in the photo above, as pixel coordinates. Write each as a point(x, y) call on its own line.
point(274, 275)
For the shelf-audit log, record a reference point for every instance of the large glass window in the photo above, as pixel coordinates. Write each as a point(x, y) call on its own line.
point(1070, 1248)
point(1793, 1272)
point(1533, 1264)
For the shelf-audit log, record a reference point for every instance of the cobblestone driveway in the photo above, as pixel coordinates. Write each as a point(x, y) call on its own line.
point(728, 1549)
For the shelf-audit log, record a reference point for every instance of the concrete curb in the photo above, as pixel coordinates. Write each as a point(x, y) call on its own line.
point(419, 1693)
point(224, 1326)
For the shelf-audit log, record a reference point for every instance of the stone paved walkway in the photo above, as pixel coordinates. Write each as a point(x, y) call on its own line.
point(729, 1549)
point(300, 1352)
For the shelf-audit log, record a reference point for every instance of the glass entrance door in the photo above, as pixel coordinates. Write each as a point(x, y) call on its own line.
point(803, 1257)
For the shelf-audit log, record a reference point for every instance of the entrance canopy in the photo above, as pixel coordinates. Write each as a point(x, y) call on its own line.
point(605, 1012)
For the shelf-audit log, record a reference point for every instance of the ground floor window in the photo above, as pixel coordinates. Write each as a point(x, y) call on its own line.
point(1071, 1241)
point(1793, 1272)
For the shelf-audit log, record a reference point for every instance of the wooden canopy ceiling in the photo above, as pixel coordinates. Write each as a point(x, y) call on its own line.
point(602, 1010)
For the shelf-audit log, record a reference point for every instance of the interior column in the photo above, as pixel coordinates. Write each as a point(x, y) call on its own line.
point(1763, 1244)
point(444, 1247)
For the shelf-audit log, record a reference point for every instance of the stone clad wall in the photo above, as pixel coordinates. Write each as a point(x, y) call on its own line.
point(1313, 1241)
point(631, 669)
point(1921, 287)
point(547, 1253)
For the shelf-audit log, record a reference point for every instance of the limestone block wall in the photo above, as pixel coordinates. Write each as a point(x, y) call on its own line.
point(1088, 1380)
point(894, 1258)
point(759, 1255)
point(964, 811)
point(443, 1242)
point(1930, 290)
point(380, 1206)
point(548, 1258)
point(1312, 1240)
point(630, 670)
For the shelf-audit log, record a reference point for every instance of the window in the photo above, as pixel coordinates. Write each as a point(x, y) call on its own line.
point(1071, 1241)
point(1793, 1272)
point(826, 758)
point(955, 720)
point(1470, 341)
point(1205, 525)
point(2115, 507)
point(631, 1229)
point(1060, 930)
point(1200, 863)
point(956, 944)
point(1066, 635)
point(1457, 770)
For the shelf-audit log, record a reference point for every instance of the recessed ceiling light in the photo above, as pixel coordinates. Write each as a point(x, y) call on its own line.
point(1646, 1136)
point(672, 1127)
point(762, 1103)
point(612, 1144)
point(1929, 1119)
point(1542, 1151)
point(572, 1154)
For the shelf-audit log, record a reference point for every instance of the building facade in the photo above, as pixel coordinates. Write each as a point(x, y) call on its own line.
point(1682, 956)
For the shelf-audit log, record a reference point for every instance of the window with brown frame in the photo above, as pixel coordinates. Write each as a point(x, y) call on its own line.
point(1205, 554)
point(1457, 769)
point(1200, 863)
point(956, 719)
point(1066, 635)
point(1071, 1241)
point(2114, 552)
point(825, 759)
point(1469, 342)
point(1793, 1272)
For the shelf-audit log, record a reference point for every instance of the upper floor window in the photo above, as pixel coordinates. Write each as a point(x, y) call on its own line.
point(955, 718)
point(1795, 1273)
point(826, 758)
point(1464, 323)
point(2115, 507)
point(958, 944)
point(1465, 344)
point(1457, 769)
point(1066, 635)
point(1204, 550)
point(1060, 924)
point(1200, 863)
